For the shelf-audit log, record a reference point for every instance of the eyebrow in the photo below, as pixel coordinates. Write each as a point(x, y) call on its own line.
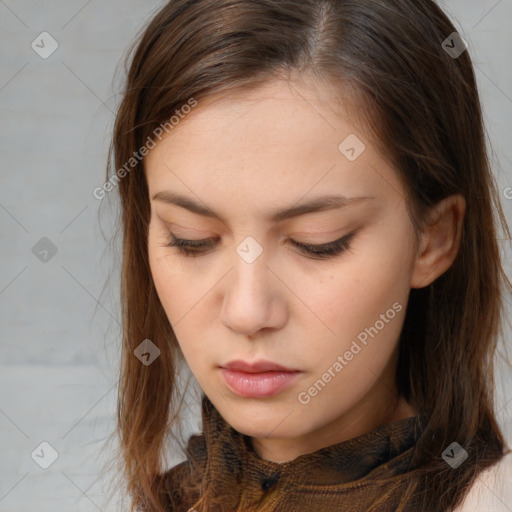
point(318, 204)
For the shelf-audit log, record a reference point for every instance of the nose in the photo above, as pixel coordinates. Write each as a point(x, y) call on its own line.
point(253, 296)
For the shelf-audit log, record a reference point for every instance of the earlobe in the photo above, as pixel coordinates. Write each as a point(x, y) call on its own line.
point(440, 241)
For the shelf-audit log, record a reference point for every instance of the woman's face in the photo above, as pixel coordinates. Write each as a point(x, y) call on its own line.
point(250, 294)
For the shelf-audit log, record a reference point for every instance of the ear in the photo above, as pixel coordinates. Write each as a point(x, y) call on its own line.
point(440, 241)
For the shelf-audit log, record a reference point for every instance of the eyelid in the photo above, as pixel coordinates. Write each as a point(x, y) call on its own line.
point(342, 238)
point(213, 239)
point(323, 234)
point(200, 232)
point(326, 236)
point(319, 238)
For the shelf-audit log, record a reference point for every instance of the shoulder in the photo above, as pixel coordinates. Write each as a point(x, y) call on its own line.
point(491, 491)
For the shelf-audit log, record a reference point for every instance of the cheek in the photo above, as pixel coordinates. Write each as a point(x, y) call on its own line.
point(363, 302)
point(180, 286)
point(177, 281)
point(170, 282)
point(354, 294)
point(178, 300)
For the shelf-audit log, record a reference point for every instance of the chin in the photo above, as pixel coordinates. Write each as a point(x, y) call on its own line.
point(261, 421)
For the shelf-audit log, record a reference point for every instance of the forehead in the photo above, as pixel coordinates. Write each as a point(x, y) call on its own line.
point(307, 110)
point(279, 141)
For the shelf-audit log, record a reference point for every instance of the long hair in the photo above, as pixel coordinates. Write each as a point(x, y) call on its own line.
point(421, 104)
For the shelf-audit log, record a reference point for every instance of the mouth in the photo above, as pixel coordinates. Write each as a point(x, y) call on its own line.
point(257, 380)
point(257, 366)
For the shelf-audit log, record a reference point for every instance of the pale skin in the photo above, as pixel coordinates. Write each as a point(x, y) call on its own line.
point(244, 156)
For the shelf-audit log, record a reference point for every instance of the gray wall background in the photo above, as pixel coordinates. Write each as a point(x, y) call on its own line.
point(58, 358)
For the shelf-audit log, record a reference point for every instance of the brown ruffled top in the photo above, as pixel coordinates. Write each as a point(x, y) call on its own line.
point(369, 472)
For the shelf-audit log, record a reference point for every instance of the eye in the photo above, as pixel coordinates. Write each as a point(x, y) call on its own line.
point(322, 251)
point(327, 250)
point(189, 247)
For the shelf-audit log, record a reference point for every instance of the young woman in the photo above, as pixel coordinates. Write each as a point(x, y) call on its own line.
point(310, 226)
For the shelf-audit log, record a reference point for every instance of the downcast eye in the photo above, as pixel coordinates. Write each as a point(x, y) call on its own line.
point(320, 251)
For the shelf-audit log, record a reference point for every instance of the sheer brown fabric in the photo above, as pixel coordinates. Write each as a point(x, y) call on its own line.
point(368, 472)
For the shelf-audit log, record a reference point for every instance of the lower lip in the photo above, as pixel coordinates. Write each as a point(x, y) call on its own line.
point(257, 385)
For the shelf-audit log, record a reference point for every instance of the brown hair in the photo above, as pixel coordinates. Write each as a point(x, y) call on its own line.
point(423, 107)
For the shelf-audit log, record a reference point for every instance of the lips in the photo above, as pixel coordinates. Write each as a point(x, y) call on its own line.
point(257, 380)
point(256, 367)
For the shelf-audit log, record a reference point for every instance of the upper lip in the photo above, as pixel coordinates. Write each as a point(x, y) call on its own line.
point(256, 367)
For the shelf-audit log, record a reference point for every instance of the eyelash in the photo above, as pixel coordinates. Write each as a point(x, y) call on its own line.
point(321, 251)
